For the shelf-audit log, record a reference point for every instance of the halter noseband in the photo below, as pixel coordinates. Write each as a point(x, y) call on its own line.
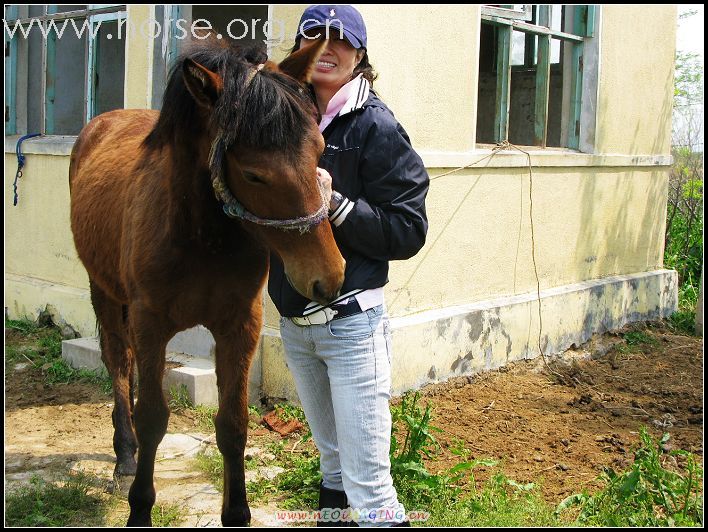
point(235, 209)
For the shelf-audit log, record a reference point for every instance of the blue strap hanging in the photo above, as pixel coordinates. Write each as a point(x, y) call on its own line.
point(20, 163)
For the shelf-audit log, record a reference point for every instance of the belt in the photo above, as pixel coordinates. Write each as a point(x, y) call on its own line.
point(327, 314)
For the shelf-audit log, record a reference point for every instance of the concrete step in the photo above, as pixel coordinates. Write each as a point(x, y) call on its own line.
point(196, 373)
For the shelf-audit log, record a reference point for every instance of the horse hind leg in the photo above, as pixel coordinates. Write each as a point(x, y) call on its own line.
point(118, 359)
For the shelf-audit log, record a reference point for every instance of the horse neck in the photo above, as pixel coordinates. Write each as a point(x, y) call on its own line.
point(193, 209)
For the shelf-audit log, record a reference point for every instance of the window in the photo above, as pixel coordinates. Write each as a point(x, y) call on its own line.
point(531, 74)
point(64, 65)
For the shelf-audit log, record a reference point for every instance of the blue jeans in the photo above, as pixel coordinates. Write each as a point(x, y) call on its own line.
point(342, 372)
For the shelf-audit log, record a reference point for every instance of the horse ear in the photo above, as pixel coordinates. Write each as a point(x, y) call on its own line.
point(204, 85)
point(301, 64)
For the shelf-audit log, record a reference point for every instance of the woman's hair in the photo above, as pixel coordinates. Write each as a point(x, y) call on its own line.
point(364, 67)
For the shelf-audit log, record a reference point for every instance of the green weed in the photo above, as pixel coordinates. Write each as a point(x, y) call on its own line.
point(44, 503)
point(41, 346)
point(647, 495)
point(166, 515)
point(179, 399)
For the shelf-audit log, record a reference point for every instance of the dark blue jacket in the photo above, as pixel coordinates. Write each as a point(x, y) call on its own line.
point(373, 165)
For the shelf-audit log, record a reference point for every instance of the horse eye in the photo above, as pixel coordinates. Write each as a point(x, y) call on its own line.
point(253, 178)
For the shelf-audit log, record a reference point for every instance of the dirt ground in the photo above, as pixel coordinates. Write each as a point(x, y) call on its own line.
point(558, 426)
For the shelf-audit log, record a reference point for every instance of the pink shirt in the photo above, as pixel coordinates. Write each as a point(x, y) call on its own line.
point(343, 95)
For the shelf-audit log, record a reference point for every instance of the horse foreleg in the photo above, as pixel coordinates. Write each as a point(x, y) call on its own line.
point(148, 335)
point(234, 352)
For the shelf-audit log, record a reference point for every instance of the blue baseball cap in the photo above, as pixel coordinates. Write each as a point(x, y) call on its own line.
point(335, 17)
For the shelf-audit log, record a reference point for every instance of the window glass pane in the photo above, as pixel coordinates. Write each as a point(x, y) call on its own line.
point(521, 106)
point(555, 109)
point(65, 8)
point(518, 47)
point(68, 79)
point(486, 90)
point(556, 17)
point(555, 51)
point(110, 69)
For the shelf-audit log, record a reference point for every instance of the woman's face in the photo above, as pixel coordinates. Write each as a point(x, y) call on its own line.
point(337, 62)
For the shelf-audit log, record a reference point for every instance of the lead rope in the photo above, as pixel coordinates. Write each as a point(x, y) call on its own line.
point(20, 164)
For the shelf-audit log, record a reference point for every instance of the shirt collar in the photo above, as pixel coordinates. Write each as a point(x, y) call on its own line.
point(349, 97)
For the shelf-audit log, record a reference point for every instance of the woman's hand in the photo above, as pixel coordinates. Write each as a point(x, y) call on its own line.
point(325, 183)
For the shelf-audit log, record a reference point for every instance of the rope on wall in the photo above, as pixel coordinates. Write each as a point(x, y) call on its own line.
point(20, 164)
point(504, 145)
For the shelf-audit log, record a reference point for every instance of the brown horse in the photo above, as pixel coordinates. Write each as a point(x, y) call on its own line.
point(168, 246)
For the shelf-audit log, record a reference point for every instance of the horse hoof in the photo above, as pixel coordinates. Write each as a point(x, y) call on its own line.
point(236, 517)
point(137, 521)
point(122, 483)
point(126, 468)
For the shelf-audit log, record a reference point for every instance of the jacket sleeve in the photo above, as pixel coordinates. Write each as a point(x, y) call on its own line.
point(388, 221)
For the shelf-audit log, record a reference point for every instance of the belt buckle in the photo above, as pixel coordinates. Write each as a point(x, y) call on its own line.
point(330, 314)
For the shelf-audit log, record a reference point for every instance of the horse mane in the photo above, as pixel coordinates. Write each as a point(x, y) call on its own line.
point(267, 112)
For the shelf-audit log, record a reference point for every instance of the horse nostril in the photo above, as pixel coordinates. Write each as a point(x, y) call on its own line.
point(317, 291)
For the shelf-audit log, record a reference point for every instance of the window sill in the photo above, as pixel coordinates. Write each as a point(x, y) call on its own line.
point(549, 157)
point(45, 145)
point(511, 158)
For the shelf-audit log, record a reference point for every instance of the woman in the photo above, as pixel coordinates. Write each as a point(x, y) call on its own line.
point(340, 355)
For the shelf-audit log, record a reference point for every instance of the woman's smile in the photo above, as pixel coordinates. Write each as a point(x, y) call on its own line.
point(325, 65)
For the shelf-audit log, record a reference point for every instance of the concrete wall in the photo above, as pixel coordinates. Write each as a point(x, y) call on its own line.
point(638, 45)
point(594, 216)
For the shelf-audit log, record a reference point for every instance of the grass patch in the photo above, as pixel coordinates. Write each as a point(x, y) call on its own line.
point(684, 322)
point(179, 399)
point(41, 347)
point(166, 515)
point(44, 503)
point(647, 494)
point(638, 338)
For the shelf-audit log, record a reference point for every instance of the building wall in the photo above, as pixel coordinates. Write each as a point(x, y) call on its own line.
point(594, 216)
point(637, 53)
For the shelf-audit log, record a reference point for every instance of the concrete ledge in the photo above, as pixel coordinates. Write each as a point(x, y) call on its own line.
point(439, 344)
point(463, 340)
point(196, 341)
point(196, 373)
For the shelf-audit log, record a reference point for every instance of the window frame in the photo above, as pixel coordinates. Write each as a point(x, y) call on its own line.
point(583, 26)
point(93, 14)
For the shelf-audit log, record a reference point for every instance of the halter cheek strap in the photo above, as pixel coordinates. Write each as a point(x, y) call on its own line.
point(235, 209)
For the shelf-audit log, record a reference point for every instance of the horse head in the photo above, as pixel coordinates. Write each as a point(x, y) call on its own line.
point(264, 146)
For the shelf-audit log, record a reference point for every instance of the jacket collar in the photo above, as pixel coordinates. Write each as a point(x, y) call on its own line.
point(357, 97)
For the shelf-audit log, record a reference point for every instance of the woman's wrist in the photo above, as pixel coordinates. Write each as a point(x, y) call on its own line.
point(335, 201)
